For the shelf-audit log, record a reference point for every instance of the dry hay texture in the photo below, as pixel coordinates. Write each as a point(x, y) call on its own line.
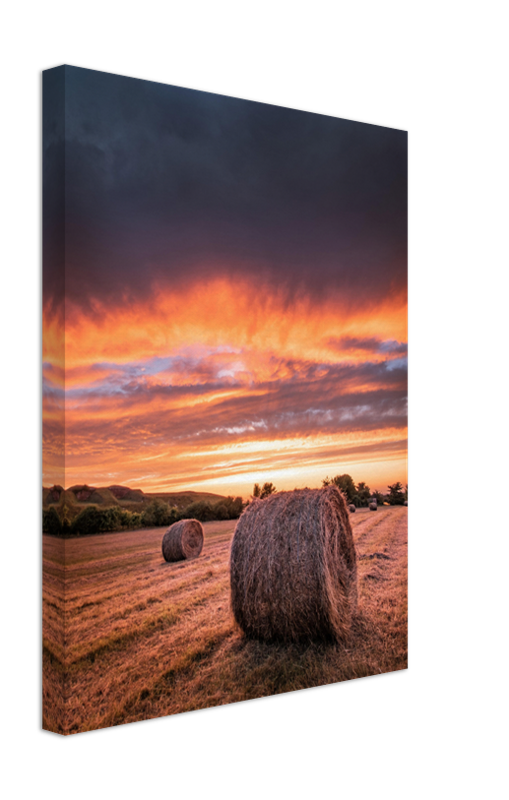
point(293, 567)
point(351, 508)
point(183, 539)
point(373, 506)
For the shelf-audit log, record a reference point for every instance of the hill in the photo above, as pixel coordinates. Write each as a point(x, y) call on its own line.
point(76, 498)
point(183, 499)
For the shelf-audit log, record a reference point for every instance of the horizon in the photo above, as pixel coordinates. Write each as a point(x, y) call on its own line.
point(247, 496)
point(231, 305)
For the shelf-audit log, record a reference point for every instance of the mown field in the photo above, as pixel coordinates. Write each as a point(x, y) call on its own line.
point(145, 638)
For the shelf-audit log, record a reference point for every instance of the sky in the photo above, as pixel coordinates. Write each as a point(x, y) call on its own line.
point(224, 291)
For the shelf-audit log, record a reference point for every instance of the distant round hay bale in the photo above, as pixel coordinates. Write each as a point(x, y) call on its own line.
point(351, 508)
point(373, 506)
point(182, 540)
point(293, 567)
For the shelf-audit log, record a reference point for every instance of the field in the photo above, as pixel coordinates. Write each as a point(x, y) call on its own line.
point(145, 638)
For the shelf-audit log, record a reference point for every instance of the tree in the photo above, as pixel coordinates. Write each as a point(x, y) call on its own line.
point(88, 521)
point(363, 494)
point(345, 484)
point(201, 510)
point(156, 514)
point(234, 506)
point(221, 511)
point(263, 491)
point(396, 496)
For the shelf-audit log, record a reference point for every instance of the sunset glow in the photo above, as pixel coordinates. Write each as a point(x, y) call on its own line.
point(196, 358)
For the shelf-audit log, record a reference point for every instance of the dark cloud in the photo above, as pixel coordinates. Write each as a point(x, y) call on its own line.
point(170, 184)
point(388, 347)
point(238, 420)
point(53, 192)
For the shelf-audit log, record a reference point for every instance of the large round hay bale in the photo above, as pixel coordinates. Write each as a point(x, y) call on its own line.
point(373, 506)
point(183, 539)
point(351, 508)
point(293, 567)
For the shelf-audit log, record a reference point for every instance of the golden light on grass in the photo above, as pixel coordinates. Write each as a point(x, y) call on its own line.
point(161, 643)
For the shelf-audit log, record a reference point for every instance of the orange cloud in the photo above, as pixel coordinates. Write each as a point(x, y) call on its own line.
point(222, 384)
point(217, 312)
point(53, 338)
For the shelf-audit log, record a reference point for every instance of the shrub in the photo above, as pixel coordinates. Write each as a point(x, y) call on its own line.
point(221, 511)
point(230, 508)
point(51, 522)
point(89, 521)
point(200, 510)
point(111, 519)
point(235, 507)
point(157, 514)
point(135, 521)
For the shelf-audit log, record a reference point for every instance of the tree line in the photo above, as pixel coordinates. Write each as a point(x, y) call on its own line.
point(158, 513)
point(360, 495)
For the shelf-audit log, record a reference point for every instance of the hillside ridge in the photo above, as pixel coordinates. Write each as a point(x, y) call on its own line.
point(80, 495)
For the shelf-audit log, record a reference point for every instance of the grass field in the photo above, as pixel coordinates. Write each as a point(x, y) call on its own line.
point(145, 638)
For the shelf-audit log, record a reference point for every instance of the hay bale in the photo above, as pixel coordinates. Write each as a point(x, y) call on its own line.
point(293, 567)
point(351, 508)
point(373, 506)
point(182, 540)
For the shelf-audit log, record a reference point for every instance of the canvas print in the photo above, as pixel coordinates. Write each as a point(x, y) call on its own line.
point(225, 497)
